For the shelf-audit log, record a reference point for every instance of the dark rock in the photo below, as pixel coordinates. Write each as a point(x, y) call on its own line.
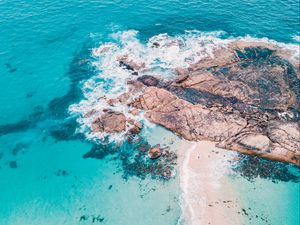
point(155, 45)
point(148, 80)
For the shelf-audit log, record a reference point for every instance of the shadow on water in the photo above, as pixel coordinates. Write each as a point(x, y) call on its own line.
point(61, 37)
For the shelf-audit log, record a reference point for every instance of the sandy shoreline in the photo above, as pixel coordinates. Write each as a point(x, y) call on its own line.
point(208, 197)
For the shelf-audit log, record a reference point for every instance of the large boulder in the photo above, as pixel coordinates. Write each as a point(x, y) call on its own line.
point(154, 153)
point(110, 122)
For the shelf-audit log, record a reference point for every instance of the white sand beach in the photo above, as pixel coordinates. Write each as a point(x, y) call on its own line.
point(208, 197)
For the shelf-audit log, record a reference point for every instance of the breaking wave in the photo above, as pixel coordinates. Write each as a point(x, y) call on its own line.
point(159, 56)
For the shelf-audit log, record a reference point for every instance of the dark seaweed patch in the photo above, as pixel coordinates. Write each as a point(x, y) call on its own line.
point(20, 147)
point(79, 69)
point(100, 151)
point(30, 94)
point(134, 159)
point(37, 114)
point(252, 167)
point(61, 173)
point(23, 125)
point(292, 81)
point(13, 164)
point(65, 131)
point(92, 218)
point(15, 127)
point(137, 163)
point(263, 72)
point(254, 53)
point(10, 68)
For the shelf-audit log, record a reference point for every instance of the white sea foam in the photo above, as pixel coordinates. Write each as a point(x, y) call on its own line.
point(296, 38)
point(161, 60)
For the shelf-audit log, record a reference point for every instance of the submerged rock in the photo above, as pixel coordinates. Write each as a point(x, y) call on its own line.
point(154, 153)
point(13, 164)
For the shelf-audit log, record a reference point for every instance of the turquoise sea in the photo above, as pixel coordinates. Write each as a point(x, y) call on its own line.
point(51, 170)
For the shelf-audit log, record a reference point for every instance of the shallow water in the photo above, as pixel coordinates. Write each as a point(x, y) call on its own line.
point(46, 55)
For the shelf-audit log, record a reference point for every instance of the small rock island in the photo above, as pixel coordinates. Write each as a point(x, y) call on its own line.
point(246, 98)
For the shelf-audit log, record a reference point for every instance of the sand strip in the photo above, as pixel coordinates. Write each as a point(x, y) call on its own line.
point(208, 197)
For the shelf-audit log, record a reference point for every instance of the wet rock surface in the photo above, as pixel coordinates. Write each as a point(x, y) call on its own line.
point(246, 99)
point(110, 122)
point(154, 153)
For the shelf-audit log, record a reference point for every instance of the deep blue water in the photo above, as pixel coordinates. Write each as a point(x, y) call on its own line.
point(43, 45)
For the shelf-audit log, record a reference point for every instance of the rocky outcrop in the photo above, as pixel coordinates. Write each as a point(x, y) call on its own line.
point(277, 141)
point(255, 76)
point(154, 153)
point(193, 122)
point(246, 99)
point(255, 134)
point(110, 122)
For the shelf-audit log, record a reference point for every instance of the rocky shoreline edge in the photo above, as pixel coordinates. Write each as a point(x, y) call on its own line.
point(245, 98)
